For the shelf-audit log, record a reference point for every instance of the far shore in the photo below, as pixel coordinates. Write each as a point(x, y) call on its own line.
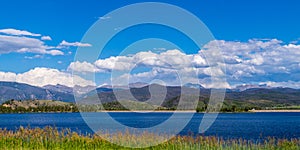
point(148, 111)
point(193, 111)
point(284, 110)
point(163, 111)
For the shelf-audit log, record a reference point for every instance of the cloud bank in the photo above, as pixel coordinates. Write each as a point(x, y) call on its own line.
point(21, 41)
point(256, 61)
point(44, 76)
point(18, 32)
point(77, 44)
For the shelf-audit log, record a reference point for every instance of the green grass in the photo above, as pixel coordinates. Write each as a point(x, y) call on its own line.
point(51, 138)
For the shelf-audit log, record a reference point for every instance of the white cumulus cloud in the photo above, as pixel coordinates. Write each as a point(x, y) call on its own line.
point(46, 38)
point(172, 66)
point(18, 32)
point(76, 44)
point(9, 44)
point(253, 61)
point(21, 41)
point(44, 76)
point(82, 67)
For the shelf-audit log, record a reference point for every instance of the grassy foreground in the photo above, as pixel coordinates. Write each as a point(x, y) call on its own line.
point(51, 138)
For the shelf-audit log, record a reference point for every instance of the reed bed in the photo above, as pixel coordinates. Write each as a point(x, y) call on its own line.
point(52, 138)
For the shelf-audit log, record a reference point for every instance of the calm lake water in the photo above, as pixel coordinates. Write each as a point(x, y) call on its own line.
point(252, 126)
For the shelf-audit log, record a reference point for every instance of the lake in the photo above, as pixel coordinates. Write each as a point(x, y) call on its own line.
point(251, 126)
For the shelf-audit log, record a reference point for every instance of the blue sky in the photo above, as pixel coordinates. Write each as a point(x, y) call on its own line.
point(228, 20)
point(231, 21)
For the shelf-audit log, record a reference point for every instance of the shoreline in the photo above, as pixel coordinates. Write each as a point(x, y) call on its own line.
point(283, 110)
point(151, 111)
point(161, 111)
point(193, 111)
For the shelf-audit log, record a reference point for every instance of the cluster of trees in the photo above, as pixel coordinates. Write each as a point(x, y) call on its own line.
point(202, 106)
point(100, 107)
point(114, 106)
point(14, 106)
point(57, 106)
point(110, 106)
point(67, 108)
point(227, 106)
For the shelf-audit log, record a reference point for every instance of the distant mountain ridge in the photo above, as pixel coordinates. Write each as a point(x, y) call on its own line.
point(195, 86)
point(277, 95)
point(244, 87)
point(130, 85)
point(59, 88)
point(21, 91)
point(140, 91)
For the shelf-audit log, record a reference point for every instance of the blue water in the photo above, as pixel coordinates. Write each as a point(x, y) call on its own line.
point(252, 126)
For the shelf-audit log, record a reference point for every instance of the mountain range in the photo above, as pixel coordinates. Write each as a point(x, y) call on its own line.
point(21, 91)
point(141, 92)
